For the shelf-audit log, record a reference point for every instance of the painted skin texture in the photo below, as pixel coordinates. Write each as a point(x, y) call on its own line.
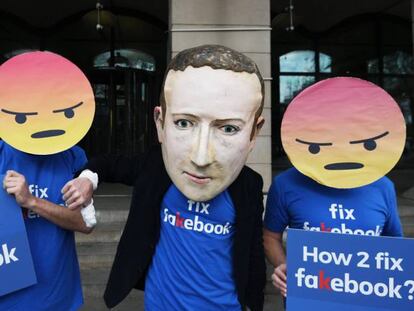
point(46, 103)
point(343, 132)
point(205, 137)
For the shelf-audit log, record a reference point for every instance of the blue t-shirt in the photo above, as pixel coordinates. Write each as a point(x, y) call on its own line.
point(53, 248)
point(192, 266)
point(299, 202)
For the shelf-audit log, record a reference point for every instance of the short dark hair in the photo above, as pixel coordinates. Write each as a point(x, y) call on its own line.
point(216, 57)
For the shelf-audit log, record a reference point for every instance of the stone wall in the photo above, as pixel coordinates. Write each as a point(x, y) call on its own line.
point(243, 25)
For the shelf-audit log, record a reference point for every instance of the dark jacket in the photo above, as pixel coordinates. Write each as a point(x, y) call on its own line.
point(141, 233)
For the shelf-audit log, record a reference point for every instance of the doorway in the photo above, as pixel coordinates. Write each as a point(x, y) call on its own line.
point(125, 98)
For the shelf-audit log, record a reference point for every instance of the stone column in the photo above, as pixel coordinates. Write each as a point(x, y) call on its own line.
point(243, 25)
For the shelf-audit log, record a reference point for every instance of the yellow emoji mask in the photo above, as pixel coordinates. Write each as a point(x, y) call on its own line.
point(46, 103)
point(343, 132)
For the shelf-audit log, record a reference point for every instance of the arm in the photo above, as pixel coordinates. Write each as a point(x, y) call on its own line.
point(273, 244)
point(392, 226)
point(78, 192)
point(15, 184)
point(275, 221)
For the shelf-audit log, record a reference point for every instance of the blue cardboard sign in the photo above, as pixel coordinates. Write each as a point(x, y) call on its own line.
point(345, 272)
point(16, 265)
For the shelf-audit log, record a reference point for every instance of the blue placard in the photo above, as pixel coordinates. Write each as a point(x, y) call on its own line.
point(16, 265)
point(344, 272)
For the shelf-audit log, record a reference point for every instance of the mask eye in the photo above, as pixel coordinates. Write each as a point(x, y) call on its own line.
point(314, 148)
point(69, 113)
point(183, 123)
point(370, 145)
point(20, 118)
point(230, 129)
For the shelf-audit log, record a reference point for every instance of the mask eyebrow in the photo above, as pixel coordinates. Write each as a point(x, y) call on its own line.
point(312, 143)
point(73, 107)
point(226, 121)
point(19, 113)
point(368, 139)
point(184, 115)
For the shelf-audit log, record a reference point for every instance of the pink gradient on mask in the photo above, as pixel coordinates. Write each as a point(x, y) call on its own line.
point(42, 74)
point(340, 109)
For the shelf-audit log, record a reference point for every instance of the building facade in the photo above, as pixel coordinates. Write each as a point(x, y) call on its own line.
point(124, 46)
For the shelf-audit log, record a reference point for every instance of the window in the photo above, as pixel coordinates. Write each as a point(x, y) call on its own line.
point(127, 58)
point(298, 70)
point(17, 52)
point(372, 48)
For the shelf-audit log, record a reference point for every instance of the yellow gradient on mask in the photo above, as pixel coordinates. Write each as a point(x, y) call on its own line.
point(47, 104)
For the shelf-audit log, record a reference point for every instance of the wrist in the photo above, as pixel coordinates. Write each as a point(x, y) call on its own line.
point(93, 177)
point(88, 215)
point(30, 202)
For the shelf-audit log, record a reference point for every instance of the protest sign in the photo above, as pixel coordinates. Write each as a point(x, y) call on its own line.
point(349, 272)
point(16, 266)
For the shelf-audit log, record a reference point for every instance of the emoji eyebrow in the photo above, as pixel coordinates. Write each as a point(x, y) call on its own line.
point(18, 113)
point(312, 143)
point(367, 139)
point(73, 107)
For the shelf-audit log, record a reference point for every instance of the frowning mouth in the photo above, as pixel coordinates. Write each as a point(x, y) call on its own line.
point(201, 180)
point(344, 166)
point(48, 133)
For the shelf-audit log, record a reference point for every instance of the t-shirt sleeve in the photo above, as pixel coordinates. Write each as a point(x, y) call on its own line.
point(276, 216)
point(392, 225)
point(79, 159)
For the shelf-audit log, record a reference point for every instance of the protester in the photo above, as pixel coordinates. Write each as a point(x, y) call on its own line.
point(193, 238)
point(342, 135)
point(47, 105)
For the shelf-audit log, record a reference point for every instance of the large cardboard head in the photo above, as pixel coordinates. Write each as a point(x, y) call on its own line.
point(343, 132)
point(209, 118)
point(46, 103)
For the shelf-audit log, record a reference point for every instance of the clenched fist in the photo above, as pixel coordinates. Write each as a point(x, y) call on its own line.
point(15, 184)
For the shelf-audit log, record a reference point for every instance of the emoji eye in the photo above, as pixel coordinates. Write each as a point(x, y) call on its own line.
point(69, 113)
point(314, 148)
point(370, 145)
point(229, 129)
point(20, 118)
point(183, 123)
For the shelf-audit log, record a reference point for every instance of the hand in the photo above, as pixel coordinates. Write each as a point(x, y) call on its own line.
point(279, 278)
point(77, 193)
point(15, 183)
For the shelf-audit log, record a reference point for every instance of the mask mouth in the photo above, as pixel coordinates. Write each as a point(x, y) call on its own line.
point(344, 166)
point(201, 180)
point(48, 133)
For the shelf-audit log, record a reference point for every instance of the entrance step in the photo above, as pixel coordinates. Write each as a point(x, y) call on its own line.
point(103, 233)
point(94, 281)
point(96, 251)
point(96, 254)
point(134, 301)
